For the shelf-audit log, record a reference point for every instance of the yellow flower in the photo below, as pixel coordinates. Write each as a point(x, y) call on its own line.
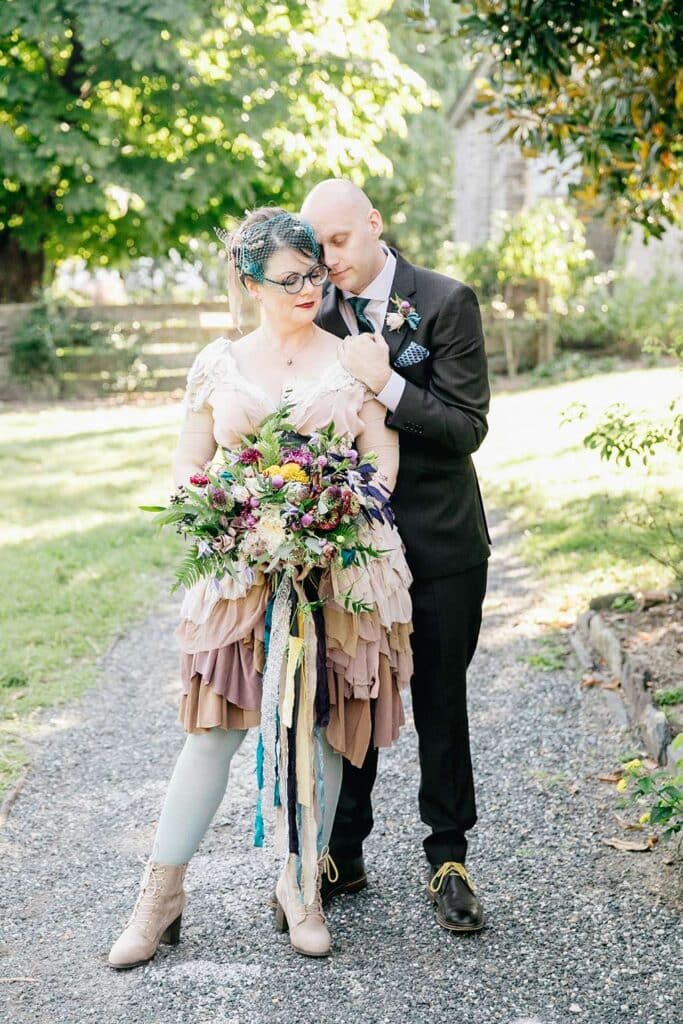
point(622, 785)
point(644, 818)
point(632, 765)
point(290, 473)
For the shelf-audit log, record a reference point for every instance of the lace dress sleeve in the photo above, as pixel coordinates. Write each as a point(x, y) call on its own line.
point(376, 437)
point(197, 445)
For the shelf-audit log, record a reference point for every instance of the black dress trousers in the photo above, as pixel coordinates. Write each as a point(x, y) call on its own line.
point(446, 621)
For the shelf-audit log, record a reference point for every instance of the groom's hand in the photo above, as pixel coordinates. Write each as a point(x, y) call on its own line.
point(366, 357)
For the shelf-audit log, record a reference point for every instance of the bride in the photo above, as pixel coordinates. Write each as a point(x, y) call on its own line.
point(232, 387)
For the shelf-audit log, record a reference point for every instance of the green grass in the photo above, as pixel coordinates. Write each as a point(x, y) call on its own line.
point(80, 562)
point(568, 505)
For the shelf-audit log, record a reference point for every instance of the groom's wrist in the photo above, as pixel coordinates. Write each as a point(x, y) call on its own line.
point(392, 392)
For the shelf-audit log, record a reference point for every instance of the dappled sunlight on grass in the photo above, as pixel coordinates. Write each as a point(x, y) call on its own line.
point(84, 561)
point(569, 504)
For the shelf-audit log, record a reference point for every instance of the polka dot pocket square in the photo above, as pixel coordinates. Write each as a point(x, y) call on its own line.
point(413, 354)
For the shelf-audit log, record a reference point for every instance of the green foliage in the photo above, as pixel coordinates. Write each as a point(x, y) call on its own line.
point(416, 199)
point(665, 698)
point(623, 436)
point(623, 603)
point(546, 243)
point(599, 83)
point(127, 129)
point(32, 351)
point(550, 656)
point(621, 313)
point(661, 791)
point(569, 366)
point(52, 340)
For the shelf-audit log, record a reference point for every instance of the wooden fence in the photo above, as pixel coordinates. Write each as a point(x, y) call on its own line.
point(150, 347)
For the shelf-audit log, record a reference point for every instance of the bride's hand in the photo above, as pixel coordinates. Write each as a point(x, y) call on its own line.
point(366, 357)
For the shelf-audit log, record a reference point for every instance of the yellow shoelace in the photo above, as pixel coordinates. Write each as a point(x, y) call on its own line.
point(327, 866)
point(451, 867)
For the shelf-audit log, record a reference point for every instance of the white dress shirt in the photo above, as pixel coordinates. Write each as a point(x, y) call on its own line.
point(379, 293)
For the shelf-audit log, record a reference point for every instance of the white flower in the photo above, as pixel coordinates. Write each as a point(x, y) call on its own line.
point(395, 321)
point(240, 493)
point(270, 531)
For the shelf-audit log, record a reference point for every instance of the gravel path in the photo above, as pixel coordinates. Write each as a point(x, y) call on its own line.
point(576, 931)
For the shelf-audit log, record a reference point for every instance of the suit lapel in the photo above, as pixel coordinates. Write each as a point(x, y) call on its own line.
point(403, 285)
point(329, 317)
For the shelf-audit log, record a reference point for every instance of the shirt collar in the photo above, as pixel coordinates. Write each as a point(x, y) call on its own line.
point(380, 288)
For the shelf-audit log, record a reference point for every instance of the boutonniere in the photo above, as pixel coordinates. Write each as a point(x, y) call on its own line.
point(404, 313)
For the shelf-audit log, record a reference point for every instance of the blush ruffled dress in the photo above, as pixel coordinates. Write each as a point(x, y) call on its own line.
point(221, 632)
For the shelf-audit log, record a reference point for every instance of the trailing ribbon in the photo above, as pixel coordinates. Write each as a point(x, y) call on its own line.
point(289, 754)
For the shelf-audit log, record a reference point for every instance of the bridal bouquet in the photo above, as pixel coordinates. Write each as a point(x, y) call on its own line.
point(280, 502)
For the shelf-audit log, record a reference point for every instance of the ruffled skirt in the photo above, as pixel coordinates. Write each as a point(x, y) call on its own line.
point(368, 654)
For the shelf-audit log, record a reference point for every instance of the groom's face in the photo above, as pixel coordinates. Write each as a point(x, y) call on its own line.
point(350, 243)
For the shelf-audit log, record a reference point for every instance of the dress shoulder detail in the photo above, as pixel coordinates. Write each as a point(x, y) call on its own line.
point(214, 364)
point(334, 379)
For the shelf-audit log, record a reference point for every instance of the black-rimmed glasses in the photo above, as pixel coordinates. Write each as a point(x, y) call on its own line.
point(294, 282)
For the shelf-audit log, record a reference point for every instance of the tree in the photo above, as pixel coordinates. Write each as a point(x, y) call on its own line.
point(417, 198)
point(125, 127)
point(599, 83)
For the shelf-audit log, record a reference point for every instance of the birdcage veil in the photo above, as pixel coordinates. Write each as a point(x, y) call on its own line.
point(251, 244)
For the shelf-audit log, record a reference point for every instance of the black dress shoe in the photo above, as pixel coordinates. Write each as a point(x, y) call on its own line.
point(452, 889)
point(349, 877)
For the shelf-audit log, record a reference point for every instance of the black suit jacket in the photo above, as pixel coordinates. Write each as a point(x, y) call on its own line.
point(441, 418)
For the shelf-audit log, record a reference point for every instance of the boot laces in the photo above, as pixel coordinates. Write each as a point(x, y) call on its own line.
point(326, 866)
point(145, 904)
point(451, 867)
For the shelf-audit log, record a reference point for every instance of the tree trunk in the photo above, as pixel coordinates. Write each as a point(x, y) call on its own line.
point(21, 272)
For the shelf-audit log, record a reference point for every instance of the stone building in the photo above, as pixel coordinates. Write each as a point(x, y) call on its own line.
point(492, 175)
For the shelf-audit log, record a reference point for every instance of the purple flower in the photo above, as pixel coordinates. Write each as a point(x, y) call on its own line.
point(322, 461)
point(351, 454)
point(250, 520)
point(249, 456)
point(217, 496)
point(405, 306)
point(306, 519)
point(203, 549)
point(301, 456)
point(254, 502)
point(199, 479)
point(277, 481)
point(333, 492)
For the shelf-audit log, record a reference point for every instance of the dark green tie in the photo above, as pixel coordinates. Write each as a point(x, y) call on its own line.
point(358, 305)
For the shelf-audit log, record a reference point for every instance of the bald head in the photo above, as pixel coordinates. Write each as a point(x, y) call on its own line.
point(349, 229)
point(337, 192)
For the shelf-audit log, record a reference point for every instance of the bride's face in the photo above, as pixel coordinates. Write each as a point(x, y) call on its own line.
point(279, 305)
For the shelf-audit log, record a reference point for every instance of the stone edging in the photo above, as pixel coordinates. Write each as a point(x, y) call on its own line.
point(592, 633)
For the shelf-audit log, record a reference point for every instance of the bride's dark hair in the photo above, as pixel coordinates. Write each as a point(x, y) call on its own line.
point(253, 241)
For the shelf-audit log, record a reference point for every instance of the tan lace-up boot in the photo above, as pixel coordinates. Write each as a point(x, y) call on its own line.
point(155, 918)
point(308, 932)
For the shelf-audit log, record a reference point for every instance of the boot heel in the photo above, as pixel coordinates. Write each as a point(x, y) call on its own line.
point(281, 923)
point(172, 933)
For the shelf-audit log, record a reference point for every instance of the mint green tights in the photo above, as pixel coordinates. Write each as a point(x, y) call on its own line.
point(198, 785)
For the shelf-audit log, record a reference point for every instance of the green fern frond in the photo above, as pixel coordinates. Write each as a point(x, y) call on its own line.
point(171, 515)
point(193, 568)
point(269, 446)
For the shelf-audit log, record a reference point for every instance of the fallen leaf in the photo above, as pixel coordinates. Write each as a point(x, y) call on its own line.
point(649, 762)
point(590, 680)
point(635, 825)
point(614, 685)
point(632, 845)
point(612, 776)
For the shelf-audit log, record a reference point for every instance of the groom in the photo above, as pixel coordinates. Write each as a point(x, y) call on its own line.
point(414, 338)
